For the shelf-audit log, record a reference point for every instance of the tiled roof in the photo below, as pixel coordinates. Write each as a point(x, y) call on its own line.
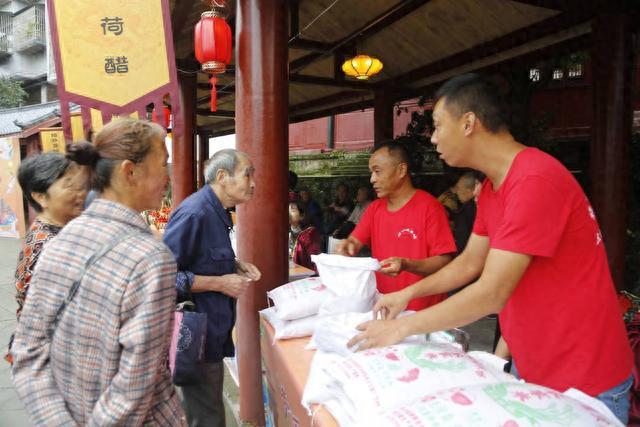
point(14, 120)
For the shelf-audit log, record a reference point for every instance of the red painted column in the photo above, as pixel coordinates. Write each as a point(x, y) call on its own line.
point(261, 132)
point(611, 136)
point(203, 148)
point(182, 152)
point(382, 117)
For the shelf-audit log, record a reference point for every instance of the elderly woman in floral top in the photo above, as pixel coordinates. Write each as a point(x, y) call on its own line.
point(55, 187)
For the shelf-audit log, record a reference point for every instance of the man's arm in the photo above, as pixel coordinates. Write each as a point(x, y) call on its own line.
point(422, 267)
point(233, 285)
point(501, 274)
point(349, 246)
point(462, 270)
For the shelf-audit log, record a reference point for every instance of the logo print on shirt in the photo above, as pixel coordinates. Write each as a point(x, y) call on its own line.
point(592, 214)
point(409, 232)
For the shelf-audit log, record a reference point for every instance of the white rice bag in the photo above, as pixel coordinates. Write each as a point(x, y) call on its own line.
point(509, 404)
point(332, 333)
point(352, 281)
point(378, 379)
point(285, 329)
point(302, 298)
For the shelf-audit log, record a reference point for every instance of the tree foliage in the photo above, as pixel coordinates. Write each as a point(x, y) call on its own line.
point(11, 93)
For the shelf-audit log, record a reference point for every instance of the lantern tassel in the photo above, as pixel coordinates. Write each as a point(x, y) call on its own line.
point(214, 96)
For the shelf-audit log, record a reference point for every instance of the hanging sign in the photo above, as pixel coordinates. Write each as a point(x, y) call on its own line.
point(114, 56)
point(52, 139)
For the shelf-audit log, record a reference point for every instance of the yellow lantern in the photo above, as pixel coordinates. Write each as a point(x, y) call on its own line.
point(362, 67)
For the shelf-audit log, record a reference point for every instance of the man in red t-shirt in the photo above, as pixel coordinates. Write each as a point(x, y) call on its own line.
point(536, 255)
point(406, 228)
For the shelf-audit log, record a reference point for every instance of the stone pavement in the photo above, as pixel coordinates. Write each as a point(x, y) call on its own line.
point(12, 413)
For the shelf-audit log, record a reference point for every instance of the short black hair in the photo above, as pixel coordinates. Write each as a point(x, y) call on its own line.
point(474, 93)
point(38, 172)
point(293, 180)
point(401, 151)
point(304, 220)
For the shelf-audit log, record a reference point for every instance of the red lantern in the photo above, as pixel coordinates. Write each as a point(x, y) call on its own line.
point(165, 120)
point(213, 45)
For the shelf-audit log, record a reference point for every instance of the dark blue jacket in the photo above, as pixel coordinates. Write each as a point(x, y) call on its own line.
point(198, 236)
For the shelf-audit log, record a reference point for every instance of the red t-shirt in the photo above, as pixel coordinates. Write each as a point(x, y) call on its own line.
point(562, 323)
point(418, 230)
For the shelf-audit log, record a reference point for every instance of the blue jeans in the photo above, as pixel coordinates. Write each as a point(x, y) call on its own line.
point(617, 399)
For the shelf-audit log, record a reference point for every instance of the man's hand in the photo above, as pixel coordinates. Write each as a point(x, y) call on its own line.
point(347, 247)
point(248, 270)
point(390, 305)
point(392, 266)
point(234, 285)
point(378, 333)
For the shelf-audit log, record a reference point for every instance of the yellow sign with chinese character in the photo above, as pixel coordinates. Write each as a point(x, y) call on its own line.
point(112, 51)
point(52, 139)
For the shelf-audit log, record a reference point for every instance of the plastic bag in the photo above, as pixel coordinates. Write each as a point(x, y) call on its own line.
point(298, 299)
point(351, 280)
point(285, 329)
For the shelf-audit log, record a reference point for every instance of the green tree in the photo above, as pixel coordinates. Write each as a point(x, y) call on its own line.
point(11, 93)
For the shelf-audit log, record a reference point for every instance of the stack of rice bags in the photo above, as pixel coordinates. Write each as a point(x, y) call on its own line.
point(423, 383)
point(345, 285)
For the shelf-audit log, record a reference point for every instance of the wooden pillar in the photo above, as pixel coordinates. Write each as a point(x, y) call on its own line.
point(261, 132)
point(203, 152)
point(382, 117)
point(183, 153)
point(611, 135)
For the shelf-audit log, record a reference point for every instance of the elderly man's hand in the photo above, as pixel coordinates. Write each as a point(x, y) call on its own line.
point(378, 333)
point(235, 285)
point(390, 305)
point(248, 270)
point(346, 247)
point(391, 266)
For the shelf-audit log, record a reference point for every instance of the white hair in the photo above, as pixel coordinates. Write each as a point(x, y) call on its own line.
point(225, 160)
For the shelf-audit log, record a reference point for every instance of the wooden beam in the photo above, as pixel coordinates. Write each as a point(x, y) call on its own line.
point(566, 47)
point(313, 45)
point(329, 99)
point(347, 108)
point(326, 81)
point(294, 18)
point(219, 87)
point(179, 16)
point(219, 113)
point(215, 127)
point(380, 22)
point(516, 38)
point(221, 93)
point(223, 132)
point(548, 4)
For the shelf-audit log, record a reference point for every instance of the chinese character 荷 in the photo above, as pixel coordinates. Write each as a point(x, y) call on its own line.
point(113, 25)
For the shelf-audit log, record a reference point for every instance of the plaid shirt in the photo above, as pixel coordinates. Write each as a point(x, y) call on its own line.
point(106, 362)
